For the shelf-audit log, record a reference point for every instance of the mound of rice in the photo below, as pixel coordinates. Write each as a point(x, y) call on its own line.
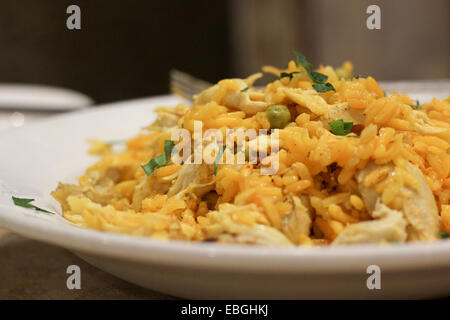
point(385, 181)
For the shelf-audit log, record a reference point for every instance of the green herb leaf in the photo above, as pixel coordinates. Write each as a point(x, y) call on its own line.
point(443, 235)
point(323, 87)
point(182, 125)
point(340, 127)
point(318, 77)
point(301, 60)
point(290, 75)
point(217, 160)
point(245, 89)
point(161, 160)
point(415, 106)
point(26, 203)
point(357, 77)
point(348, 127)
point(156, 162)
point(168, 147)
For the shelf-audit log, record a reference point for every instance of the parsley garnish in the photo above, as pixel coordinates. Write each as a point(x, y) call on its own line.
point(323, 87)
point(301, 59)
point(26, 203)
point(290, 75)
point(156, 162)
point(161, 160)
point(218, 157)
point(357, 77)
point(168, 147)
point(415, 106)
point(317, 77)
point(245, 89)
point(443, 235)
point(340, 127)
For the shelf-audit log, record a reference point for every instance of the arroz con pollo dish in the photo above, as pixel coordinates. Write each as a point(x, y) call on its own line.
point(355, 166)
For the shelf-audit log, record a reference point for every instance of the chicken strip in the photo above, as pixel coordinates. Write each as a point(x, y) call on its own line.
point(388, 226)
point(297, 222)
point(419, 206)
point(240, 100)
point(225, 229)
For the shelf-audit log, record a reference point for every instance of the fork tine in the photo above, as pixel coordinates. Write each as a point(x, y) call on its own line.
point(183, 76)
point(185, 85)
point(182, 90)
point(188, 86)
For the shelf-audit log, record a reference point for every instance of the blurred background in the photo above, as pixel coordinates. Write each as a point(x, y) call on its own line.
point(125, 49)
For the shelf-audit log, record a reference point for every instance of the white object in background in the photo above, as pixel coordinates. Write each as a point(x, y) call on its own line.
point(39, 97)
point(22, 104)
point(423, 90)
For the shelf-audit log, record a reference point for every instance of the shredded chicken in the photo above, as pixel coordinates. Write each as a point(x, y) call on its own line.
point(388, 226)
point(419, 206)
point(342, 111)
point(240, 100)
point(309, 99)
point(424, 125)
point(225, 229)
point(298, 221)
point(167, 117)
point(192, 178)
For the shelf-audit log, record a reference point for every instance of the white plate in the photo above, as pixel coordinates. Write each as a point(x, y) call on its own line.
point(41, 98)
point(34, 158)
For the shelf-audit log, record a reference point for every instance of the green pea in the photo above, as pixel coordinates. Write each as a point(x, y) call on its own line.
point(279, 116)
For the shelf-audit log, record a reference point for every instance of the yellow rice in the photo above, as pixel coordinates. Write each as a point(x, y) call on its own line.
point(116, 195)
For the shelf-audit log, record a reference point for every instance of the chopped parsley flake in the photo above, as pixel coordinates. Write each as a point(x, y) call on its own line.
point(159, 161)
point(443, 235)
point(289, 75)
point(217, 160)
point(323, 87)
point(301, 60)
point(317, 77)
point(340, 127)
point(415, 106)
point(168, 147)
point(26, 203)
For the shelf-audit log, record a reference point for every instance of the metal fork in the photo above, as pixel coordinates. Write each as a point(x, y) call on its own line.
point(186, 86)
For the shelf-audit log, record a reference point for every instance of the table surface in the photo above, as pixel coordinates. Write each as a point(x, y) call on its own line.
point(34, 270)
